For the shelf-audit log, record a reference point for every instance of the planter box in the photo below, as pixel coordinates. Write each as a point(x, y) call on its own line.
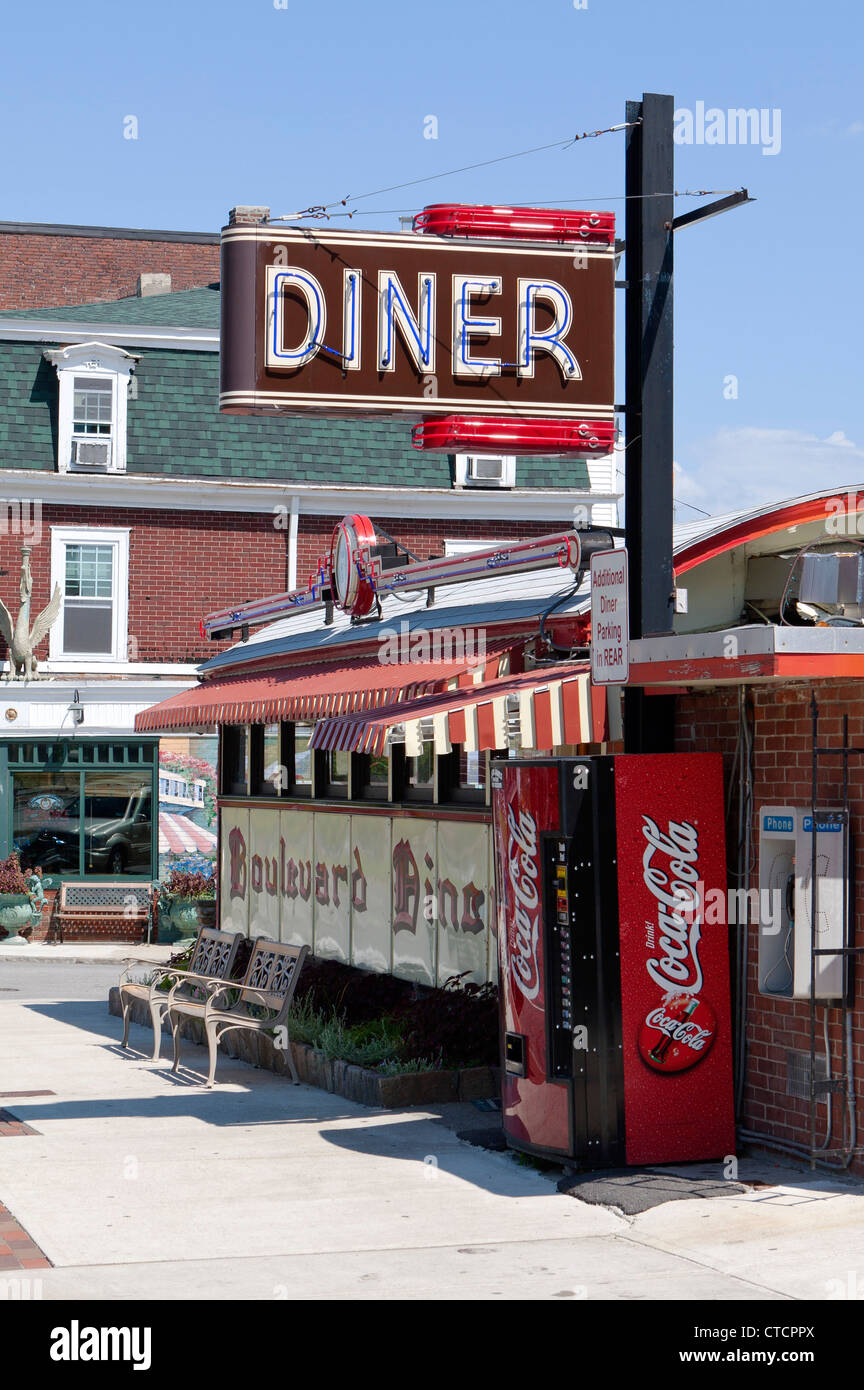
point(338, 1077)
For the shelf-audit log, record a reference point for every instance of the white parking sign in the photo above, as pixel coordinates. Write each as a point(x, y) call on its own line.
point(610, 618)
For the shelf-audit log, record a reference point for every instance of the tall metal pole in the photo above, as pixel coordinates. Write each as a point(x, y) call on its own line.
point(649, 184)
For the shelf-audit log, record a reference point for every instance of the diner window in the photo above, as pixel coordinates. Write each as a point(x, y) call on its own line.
point(301, 761)
point(370, 777)
point(234, 761)
point(332, 773)
point(268, 772)
point(463, 776)
point(90, 565)
point(418, 777)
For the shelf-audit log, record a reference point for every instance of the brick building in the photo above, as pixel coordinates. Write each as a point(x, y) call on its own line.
point(146, 508)
point(767, 669)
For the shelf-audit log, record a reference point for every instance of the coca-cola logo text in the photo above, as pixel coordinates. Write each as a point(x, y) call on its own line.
point(688, 1033)
point(523, 871)
point(677, 891)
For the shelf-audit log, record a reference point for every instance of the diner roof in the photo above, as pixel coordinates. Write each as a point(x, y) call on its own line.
point(711, 552)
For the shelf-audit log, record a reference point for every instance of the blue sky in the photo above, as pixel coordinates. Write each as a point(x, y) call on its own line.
point(306, 103)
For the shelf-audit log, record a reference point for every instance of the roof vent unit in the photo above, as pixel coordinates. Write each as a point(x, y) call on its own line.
point(834, 580)
point(485, 470)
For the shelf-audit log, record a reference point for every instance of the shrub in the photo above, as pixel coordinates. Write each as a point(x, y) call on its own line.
point(12, 880)
point(357, 996)
point(457, 1025)
point(180, 884)
point(392, 1025)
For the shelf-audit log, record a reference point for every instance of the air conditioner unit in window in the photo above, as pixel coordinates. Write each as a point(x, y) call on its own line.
point(485, 470)
point(92, 455)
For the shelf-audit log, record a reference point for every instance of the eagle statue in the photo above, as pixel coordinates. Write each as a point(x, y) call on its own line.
point(22, 639)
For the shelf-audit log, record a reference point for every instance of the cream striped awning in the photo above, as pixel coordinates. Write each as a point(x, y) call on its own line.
point(546, 708)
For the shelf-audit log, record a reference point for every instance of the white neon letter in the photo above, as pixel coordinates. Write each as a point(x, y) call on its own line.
point(352, 285)
point(464, 325)
point(531, 342)
point(394, 311)
point(289, 279)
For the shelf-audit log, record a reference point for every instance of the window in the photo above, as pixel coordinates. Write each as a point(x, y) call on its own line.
point(234, 761)
point(331, 773)
point(371, 779)
point(462, 776)
point(93, 383)
point(91, 567)
point(268, 775)
point(302, 772)
point(107, 831)
point(88, 599)
point(418, 778)
point(92, 417)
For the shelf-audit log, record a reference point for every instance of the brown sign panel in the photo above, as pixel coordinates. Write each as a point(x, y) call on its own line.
point(414, 325)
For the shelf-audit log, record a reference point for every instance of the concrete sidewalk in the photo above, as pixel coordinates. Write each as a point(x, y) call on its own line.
point(89, 953)
point(140, 1185)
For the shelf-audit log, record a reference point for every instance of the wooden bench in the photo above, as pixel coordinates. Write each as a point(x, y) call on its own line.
point(260, 1003)
point(119, 911)
point(212, 958)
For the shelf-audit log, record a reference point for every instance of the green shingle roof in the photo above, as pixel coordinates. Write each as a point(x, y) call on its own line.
point(175, 428)
point(184, 309)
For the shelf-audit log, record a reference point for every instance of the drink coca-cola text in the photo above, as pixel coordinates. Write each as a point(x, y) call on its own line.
point(676, 889)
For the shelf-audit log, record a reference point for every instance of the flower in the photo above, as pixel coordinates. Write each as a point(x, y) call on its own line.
point(12, 880)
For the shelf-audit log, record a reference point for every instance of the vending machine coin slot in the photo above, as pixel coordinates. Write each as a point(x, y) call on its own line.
point(514, 1054)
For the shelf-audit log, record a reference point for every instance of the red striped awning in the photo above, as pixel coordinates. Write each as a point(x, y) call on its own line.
point(546, 708)
point(320, 690)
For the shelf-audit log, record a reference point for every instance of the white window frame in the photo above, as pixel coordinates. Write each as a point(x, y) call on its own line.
point(508, 478)
point(118, 537)
point(92, 360)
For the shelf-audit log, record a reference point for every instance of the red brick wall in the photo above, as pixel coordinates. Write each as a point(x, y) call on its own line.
point(181, 566)
point(424, 538)
point(782, 771)
point(43, 271)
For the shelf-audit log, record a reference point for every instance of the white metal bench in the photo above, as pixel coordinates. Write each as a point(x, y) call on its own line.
point(212, 959)
point(260, 1003)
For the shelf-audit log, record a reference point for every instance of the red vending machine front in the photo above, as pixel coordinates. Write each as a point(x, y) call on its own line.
point(614, 978)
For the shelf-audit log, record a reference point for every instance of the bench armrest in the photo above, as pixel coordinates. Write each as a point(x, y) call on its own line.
point(248, 995)
point(158, 971)
point(204, 982)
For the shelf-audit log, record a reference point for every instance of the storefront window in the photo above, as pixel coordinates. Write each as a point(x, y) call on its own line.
point(109, 834)
point(46, 820)
point(118, 824)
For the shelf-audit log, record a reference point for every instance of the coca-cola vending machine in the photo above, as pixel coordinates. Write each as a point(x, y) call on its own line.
point(617, 1044)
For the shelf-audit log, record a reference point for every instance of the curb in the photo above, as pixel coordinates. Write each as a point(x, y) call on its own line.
point(331, 1074)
